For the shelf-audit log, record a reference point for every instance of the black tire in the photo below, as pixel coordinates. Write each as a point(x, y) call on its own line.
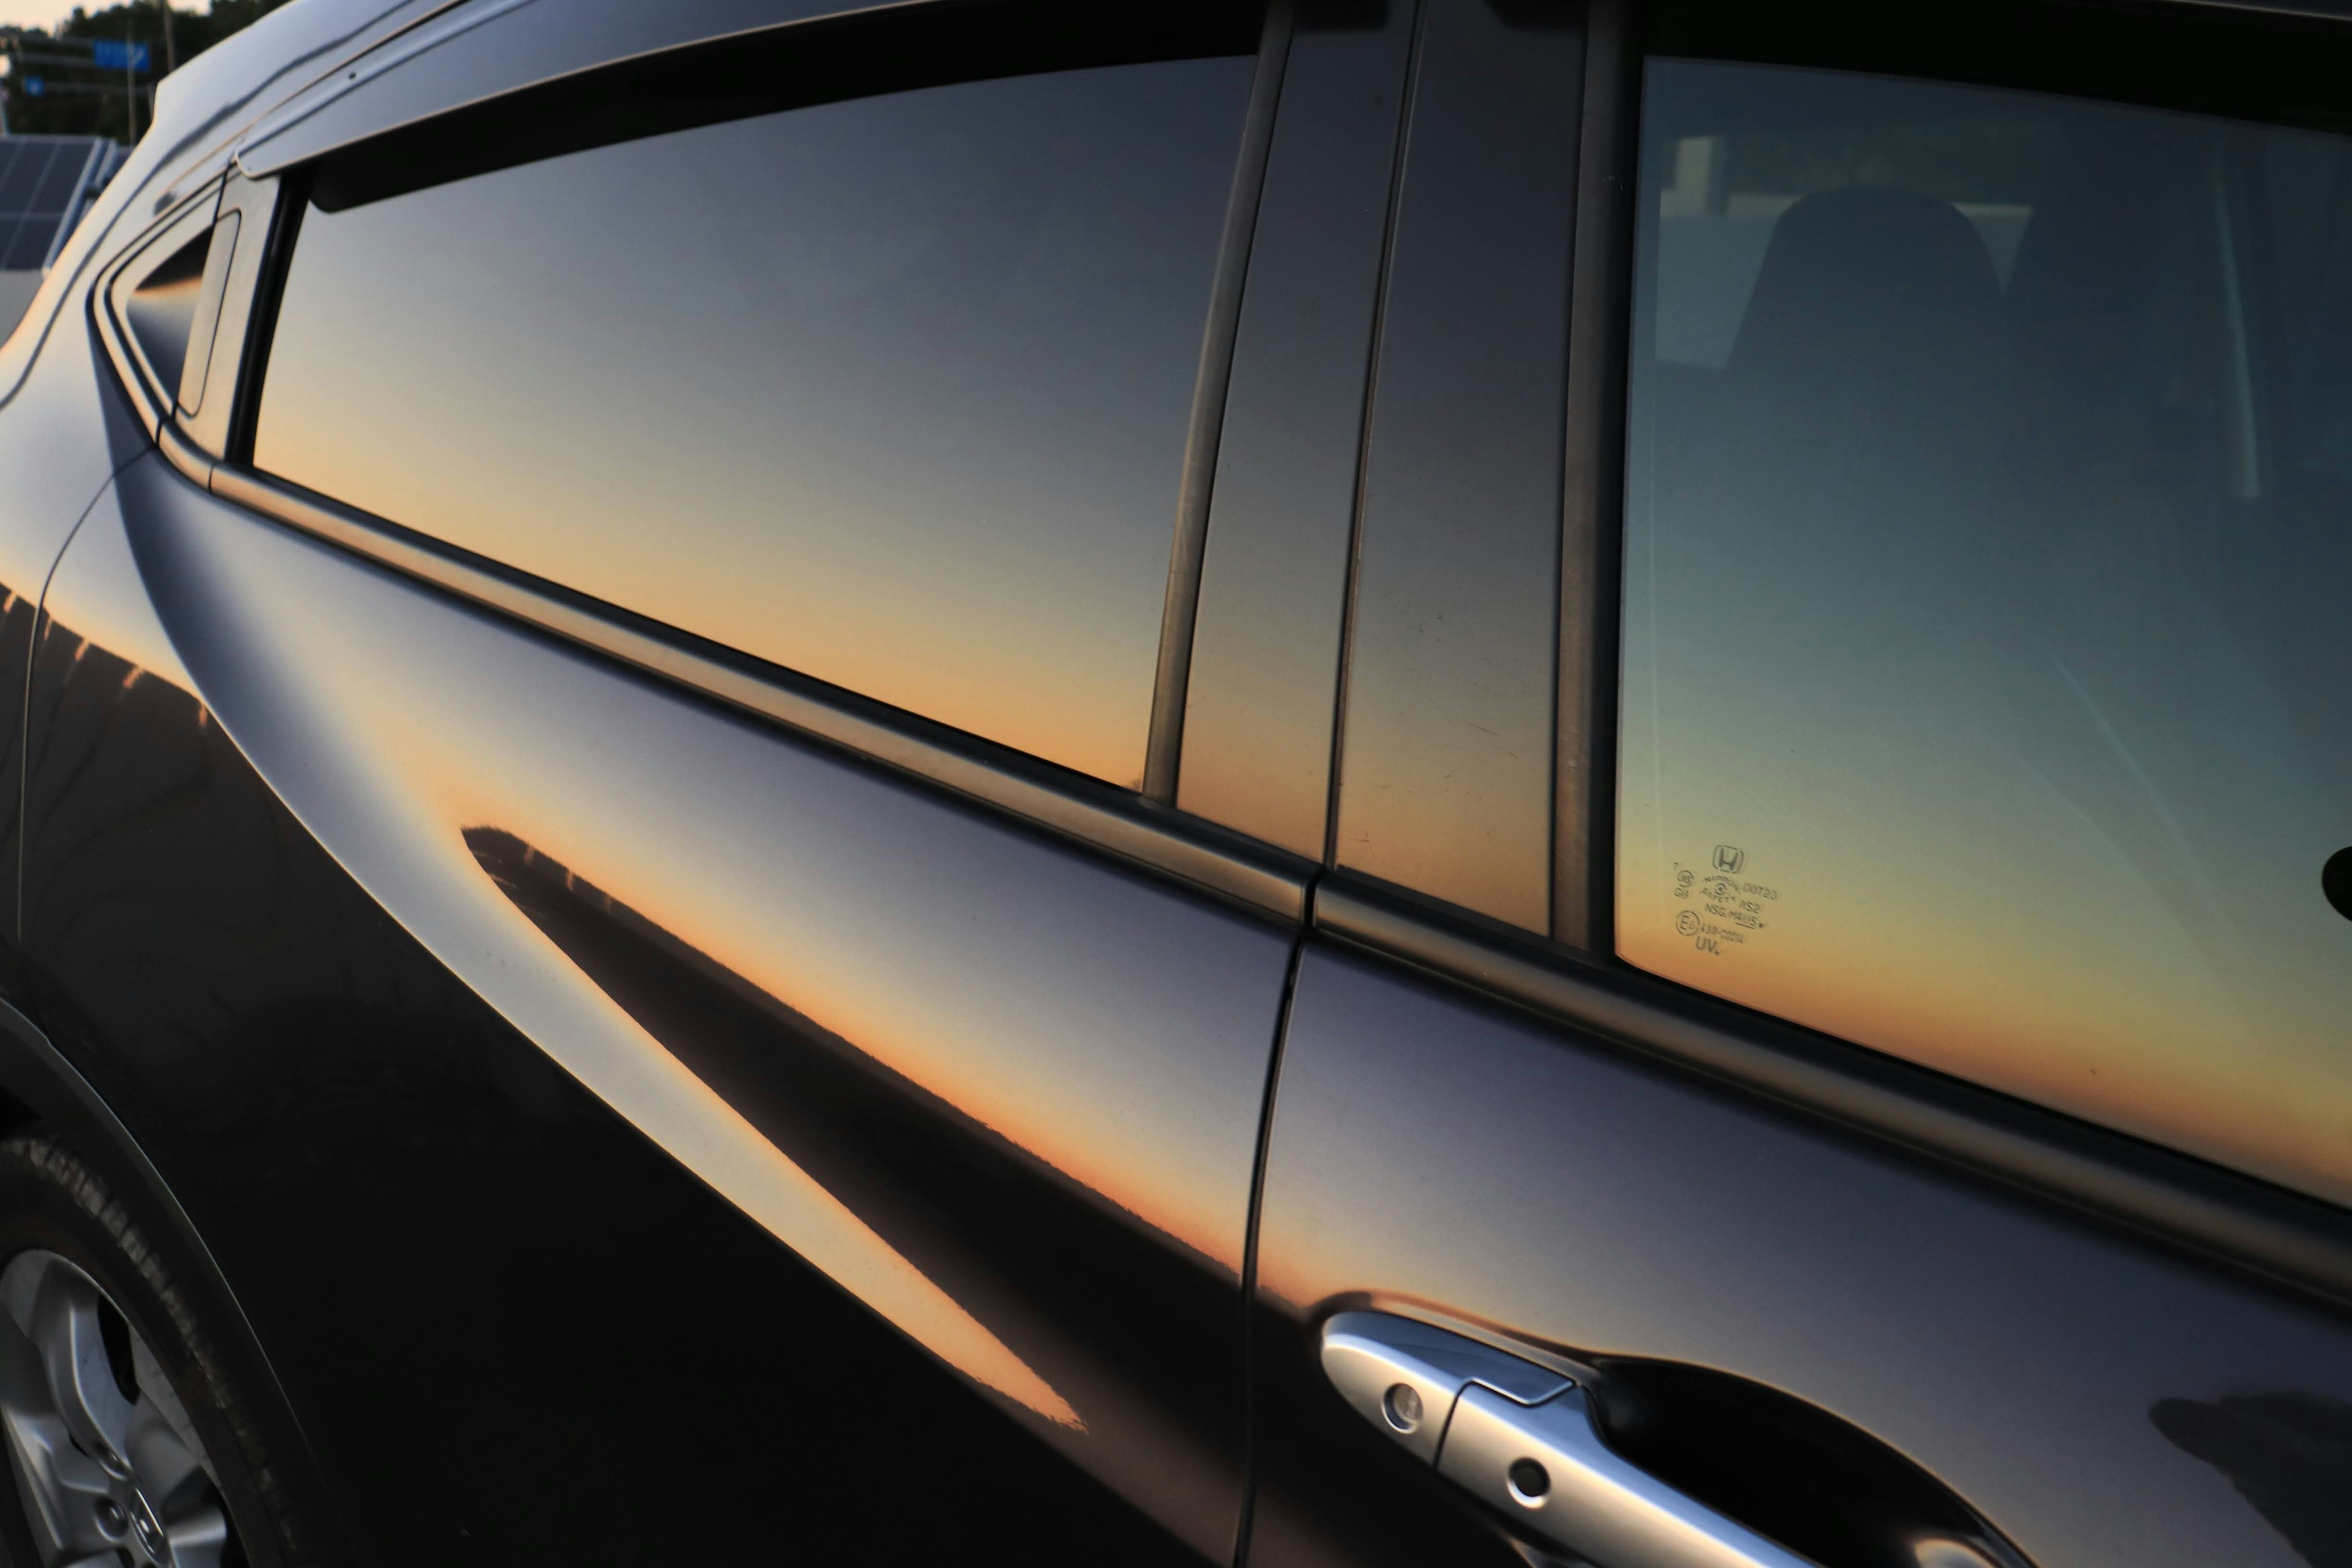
point(51, 1198)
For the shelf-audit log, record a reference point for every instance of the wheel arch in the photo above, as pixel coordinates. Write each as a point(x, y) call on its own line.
point(39, 1086)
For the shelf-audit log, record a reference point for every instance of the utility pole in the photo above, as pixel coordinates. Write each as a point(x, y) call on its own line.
point(171, 55)
point(130, 77)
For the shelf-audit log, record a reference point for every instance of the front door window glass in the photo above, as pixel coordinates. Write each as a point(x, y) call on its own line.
point(1987, 671)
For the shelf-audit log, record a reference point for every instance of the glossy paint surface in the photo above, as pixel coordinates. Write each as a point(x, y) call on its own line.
point(63, 430)
point(1007, 1161)
point(1274, 579)
point(2096, 1401)
point(891, 392)
point(1446, 771)
point(642, 1136)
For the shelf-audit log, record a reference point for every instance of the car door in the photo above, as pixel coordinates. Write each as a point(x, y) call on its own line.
point(1855, 1072)
point(600, 805)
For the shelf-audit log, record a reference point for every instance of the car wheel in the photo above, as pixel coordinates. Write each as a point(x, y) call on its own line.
point(126, 1438)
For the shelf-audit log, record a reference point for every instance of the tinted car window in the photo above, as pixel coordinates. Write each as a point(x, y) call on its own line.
point(893, 392)
point(1984, 690)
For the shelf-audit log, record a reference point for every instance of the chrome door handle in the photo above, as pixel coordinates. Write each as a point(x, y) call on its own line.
point(1521, 1438)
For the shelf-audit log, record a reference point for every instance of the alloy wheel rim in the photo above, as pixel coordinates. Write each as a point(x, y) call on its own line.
point(110, 1467)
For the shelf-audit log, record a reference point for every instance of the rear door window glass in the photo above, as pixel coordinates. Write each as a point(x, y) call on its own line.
point(893, 392)
point(1989, 551)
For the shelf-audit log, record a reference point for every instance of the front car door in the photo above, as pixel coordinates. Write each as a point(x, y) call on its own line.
point(1857, 1073)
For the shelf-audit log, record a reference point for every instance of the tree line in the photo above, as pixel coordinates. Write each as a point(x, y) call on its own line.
point(76, 98)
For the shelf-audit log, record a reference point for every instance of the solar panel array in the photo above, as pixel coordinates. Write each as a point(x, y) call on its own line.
point(42, 184)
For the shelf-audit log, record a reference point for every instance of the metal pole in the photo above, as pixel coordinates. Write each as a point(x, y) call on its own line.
point(171, 55)
point(129, 80)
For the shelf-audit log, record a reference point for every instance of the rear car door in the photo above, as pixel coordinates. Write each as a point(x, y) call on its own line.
point(1825, 1038)
point(602, 800)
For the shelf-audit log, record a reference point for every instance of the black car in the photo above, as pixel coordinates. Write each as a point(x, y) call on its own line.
point(1335, 782)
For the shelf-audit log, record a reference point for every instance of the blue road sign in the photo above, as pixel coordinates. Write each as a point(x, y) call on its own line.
point(34, 87)
point(113, 53)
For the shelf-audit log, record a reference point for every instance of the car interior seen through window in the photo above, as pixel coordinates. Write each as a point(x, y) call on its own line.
point(893, 392)
point(1985, 590)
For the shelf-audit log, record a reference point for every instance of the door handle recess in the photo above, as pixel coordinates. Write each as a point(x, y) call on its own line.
point(1521, 1438)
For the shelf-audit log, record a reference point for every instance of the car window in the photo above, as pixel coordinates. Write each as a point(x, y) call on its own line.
point(1984, 696)
point(893, 392)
